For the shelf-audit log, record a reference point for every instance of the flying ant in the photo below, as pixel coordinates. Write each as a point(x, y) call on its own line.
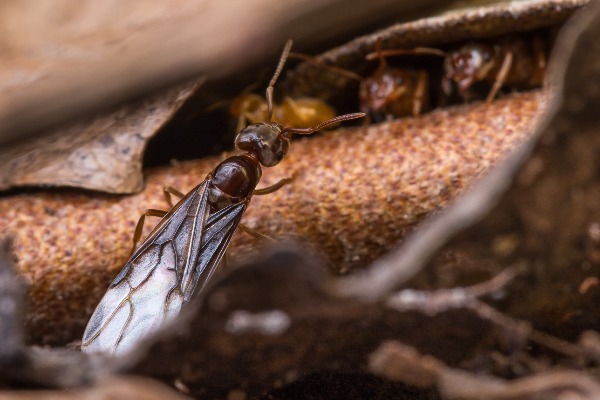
point(174, 263)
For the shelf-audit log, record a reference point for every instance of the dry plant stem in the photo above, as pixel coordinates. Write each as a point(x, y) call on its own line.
point(403, 363)
point(432, 303)
point(352, 205)
point(442, 300)
point(556, 385)
point(566, 156)
point(102, 153)
point(590, 342)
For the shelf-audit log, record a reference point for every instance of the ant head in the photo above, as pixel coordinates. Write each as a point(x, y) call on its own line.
point(469, 63)
point(264, 141)
point(383, 88)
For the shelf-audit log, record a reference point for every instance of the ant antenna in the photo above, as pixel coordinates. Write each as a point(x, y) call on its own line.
point(288, 132)
point(318, 63)
point(282, 60)
point(379, 52)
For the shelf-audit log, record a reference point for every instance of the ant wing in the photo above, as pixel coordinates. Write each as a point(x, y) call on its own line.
point(168, 268)
point(146, 291)
point(220, 227)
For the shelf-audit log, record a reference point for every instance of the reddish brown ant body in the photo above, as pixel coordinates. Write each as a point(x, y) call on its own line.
point(510, 61)
point(393, 91)
point(387, 92)
point(251, 108)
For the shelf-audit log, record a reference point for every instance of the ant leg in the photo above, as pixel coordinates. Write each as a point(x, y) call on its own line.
point(419, 93)
point(367, 120)
point(269, 189)
point(276, 186)
point(140, 225)
point(170, 190)
point(445, 91)
point(225, 261)
point(501, 77)
point(216, 105)
point(242, 121)
point(539, 75)
point(255, 233)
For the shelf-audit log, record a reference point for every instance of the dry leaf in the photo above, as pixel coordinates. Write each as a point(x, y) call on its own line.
point(103, 154)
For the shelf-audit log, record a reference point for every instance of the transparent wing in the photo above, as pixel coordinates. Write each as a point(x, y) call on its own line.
point(220, 227)
point(163, 273)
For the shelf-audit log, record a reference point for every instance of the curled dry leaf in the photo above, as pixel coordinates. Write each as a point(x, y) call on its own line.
point(528, 219)
point(104, 153)
point(350, 206)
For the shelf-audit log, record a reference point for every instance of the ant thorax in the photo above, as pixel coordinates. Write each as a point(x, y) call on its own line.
point(233, 181)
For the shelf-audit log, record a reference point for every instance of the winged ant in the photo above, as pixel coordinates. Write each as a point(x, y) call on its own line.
point(174, 263)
